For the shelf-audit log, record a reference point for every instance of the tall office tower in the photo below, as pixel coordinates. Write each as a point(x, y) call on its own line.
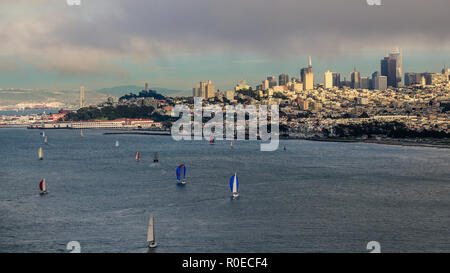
point(81, 96)
point(336, 79)
point(283, 79)
point(146, 87)
point(380, 83)
point(375, 74)
point(328, 80)
point(397, 55)
point(272, 81)
point(391, 67)
point(200, 90)
point(372, 81)
point(265, 85)
point(203, 89)
point(355, 78)
point(364, 83)
point(210, 90)
point(307, 76)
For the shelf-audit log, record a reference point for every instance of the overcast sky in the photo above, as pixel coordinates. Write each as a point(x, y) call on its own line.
point(176, 43)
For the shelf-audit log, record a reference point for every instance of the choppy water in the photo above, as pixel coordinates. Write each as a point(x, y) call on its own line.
point(313, 197)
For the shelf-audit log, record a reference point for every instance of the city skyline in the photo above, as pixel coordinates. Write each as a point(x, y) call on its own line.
point(365, 69)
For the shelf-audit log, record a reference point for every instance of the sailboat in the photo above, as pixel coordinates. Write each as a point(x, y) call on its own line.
point(138, 156)
point(181, 174)
point(117, 143)
point(232, 143)
point(155, 158)
point(43, 134)
point(234, 185)
point(45, 140)
point(41, 153)
point(284, 147)
point(151, 233)
point(211, 141)
point(82, 133)
point(43, 187)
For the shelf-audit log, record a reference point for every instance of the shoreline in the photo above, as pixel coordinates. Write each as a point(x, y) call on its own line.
point(399, 142)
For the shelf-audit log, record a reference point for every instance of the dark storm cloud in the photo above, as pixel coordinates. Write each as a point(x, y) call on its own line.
point(273, 27)
point(138, 29)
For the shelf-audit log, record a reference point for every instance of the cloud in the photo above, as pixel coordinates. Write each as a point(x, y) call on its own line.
point(94, 37)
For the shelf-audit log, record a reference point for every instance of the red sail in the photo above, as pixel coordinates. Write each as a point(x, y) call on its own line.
point(41, 185)
point(138, 156)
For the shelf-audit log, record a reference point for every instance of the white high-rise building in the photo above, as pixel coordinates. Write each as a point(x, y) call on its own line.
point(328, 80)
point(205, 90)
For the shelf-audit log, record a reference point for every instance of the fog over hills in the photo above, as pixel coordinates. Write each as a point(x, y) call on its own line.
point(66, 98)
point(18, 96)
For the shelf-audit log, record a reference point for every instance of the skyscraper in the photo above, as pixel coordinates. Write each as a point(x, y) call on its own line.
point(328, 80)
point(355, 79)
point(81, 96)
point(283, 79)
point(307, 76)
point(272, 81)
point(204, 90)
point(364, 83)
point(391, 67)
point(210, 90)
point(336, 79)
point(374, 76)
point(146, 87)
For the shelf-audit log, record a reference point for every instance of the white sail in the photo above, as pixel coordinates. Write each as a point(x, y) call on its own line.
point(41, 153)
point(44, 186)
point(82, 133)
point(235, 190)
point(117, 143)
point(151, 230)
point(45, 140)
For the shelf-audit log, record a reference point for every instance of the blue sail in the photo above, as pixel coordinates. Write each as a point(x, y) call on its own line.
point(181, 172)
point(234, 186)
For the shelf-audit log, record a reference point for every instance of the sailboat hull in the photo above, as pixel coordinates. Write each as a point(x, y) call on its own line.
point(152, 244)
